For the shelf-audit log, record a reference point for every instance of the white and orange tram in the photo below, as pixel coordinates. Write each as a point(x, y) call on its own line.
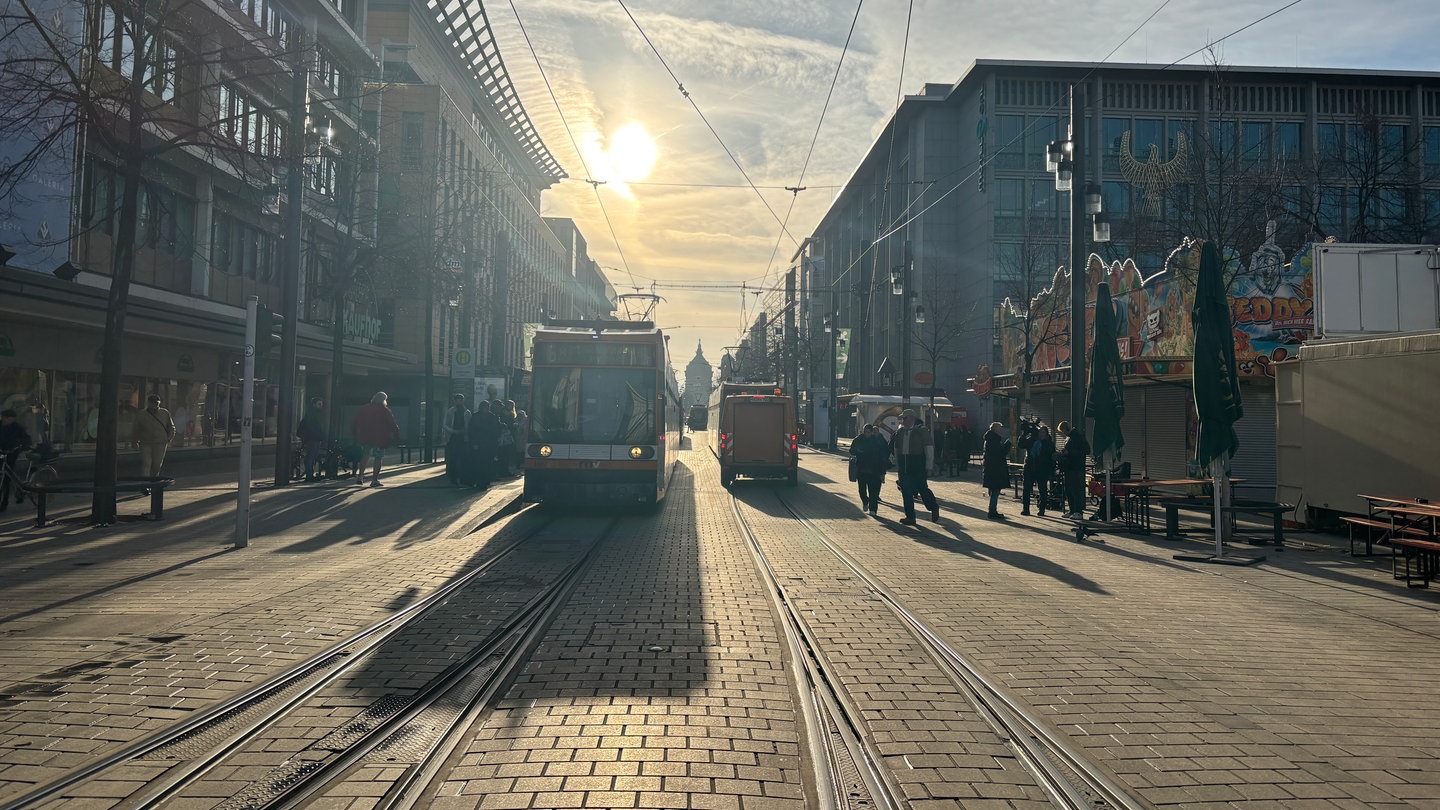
point(604, 412)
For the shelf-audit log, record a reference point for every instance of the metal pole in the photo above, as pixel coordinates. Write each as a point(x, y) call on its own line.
point(905, 329)
point(1078, 263)
point(425, 446)
point(247, 399)
point(834, 412)
point(291, 257)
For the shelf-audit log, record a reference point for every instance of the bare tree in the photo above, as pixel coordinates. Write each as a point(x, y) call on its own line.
point(139, 79)
point(939, 337)
point(1027, 319)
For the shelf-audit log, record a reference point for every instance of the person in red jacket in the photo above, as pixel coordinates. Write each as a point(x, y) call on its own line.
point(374, 427)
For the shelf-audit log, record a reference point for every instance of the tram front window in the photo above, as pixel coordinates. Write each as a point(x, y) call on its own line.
point(593, 406)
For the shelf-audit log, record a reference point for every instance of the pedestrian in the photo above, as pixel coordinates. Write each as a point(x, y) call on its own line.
point(995, 467)
point(914, 456)
point(942, 449)
point(504, 412)
point(967, 446)
point(153, 431)
point(39, 423)
point(457, 421)
point(13, 439)
point(1039, 468)
point(1072, 464)
point(872, 458)
point(375, 428)
point(521, 431)
point(311, 433)
point(483, 438)
point(956, 449)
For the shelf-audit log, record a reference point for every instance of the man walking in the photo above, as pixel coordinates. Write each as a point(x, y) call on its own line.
point(457, 419)
point(1072, 464)
point(154, 429)
point(914, 455)
point(374, 427)
point(311, 433)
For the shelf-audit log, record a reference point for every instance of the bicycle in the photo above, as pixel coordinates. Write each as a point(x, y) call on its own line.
point(33, 468)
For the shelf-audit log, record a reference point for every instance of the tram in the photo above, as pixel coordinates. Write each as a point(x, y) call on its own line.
point(605, 414)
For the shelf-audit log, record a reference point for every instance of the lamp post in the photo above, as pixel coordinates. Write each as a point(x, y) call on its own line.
point(832, 328)
point(1067, 160)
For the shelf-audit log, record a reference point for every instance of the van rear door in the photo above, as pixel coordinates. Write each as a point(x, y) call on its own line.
point(759, 437)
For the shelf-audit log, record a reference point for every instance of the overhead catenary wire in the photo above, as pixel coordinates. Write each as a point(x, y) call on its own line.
point(594, 184)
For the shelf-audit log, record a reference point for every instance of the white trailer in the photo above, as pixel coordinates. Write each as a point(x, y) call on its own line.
point(1357, 417)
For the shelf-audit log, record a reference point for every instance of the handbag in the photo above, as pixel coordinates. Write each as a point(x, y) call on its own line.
point(853, 461)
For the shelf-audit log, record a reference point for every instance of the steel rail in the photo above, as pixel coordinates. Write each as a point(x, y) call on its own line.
point(824, 698)
point(1032, 740)
point(355, 646)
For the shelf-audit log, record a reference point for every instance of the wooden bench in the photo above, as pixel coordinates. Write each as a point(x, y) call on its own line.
point(1371, 526)
point(1172, 512)
point(1425, 554)
point(1271, 508)
point(154, 486)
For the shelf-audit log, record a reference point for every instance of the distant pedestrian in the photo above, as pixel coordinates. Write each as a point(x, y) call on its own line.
point(995, 472)
point(457, 420)
point(521, 431)
point(13, 439)
point(375, 429)
point(504, 413)
point(311, 433)
point(872, 458)
point(1072, 464)
point(914, 456)
point(483, 438)
point(1039, 468)
point(39, 423)
point(153, 432)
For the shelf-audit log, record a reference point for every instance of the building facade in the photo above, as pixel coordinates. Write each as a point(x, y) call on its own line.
point(418, 213)
point(954, 203)
point(699, 379)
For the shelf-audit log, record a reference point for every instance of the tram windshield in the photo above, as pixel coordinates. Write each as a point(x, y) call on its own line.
point(593, 406)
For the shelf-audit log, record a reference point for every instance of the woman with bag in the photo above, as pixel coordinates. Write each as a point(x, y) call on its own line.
point(870, 456)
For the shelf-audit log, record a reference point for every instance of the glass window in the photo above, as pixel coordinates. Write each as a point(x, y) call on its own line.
point(1009, 199)
point(1042, 198)
point(1148, 132)
point(1041, 133)
point(1432, 149)
point(1392, 147)
point(1007, 266)
point(1113, 133)
point(1173, 131)
point(1331, 141)
point(1222, 140)
point(1255, 141)
point(1287, 140)
point(593, 405)
point(1010, 141)
point(1330, 211)
point(1116, 200)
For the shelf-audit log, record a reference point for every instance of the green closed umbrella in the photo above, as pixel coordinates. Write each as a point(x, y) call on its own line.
point(1215, 380)
point(1105, 402)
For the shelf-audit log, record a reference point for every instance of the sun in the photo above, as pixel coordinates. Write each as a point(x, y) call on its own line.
point(631, 153)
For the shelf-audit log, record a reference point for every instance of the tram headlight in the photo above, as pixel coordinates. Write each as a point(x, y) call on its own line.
point(639, 452)
point(545, 450)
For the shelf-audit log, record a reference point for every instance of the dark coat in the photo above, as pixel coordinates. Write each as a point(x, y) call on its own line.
point(996, 472)
point(1040, 458)
point(1072, 458)
point(484, 434)
point(872, 454)
point(312, 427)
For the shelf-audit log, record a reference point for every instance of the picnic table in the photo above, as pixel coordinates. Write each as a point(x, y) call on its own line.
point(1138, 494)
point(1411, 535)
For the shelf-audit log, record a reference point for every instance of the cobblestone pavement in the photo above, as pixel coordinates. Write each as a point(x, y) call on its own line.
point(1304, 681)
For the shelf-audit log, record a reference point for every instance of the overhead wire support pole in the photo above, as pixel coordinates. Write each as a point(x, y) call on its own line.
point(1078, 258)
point(292, 257)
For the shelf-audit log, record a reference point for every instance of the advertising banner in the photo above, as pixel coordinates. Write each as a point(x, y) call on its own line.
point(842, 354)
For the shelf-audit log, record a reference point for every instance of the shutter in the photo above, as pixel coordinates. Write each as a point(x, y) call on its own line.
point(1166, 411)
point(1132, 427)
point(1255, 460)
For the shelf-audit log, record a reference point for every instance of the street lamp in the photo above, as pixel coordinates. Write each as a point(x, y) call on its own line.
point(1067, 160)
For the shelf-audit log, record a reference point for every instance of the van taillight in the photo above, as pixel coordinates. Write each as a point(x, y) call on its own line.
point(794, 441)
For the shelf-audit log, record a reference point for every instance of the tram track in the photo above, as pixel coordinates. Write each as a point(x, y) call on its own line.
point(1067, 777)
point(189, 758)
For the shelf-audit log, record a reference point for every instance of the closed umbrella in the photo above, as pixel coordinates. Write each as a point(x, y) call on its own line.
point(1215, 380)
point(1105, 402)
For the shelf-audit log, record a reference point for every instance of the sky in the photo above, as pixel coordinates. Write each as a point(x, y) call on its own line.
point(693, 202)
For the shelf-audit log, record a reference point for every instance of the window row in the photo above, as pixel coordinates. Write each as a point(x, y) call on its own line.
point(238, 248)
point(114, 42)
point(269, 17)
point(165, 218)
point(249, 125)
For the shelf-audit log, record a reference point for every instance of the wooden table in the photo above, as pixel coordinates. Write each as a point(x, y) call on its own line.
point(1412, 537)
point(1138, 493)
point(1375, 520)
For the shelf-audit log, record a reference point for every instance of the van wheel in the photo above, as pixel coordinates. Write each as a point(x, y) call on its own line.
point(793, 479)
point(726, 479)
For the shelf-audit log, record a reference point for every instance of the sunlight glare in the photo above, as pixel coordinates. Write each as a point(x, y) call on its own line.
point(632, 153)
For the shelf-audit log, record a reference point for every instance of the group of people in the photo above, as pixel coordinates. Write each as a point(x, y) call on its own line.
point(485, 443)
point(912, 452)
